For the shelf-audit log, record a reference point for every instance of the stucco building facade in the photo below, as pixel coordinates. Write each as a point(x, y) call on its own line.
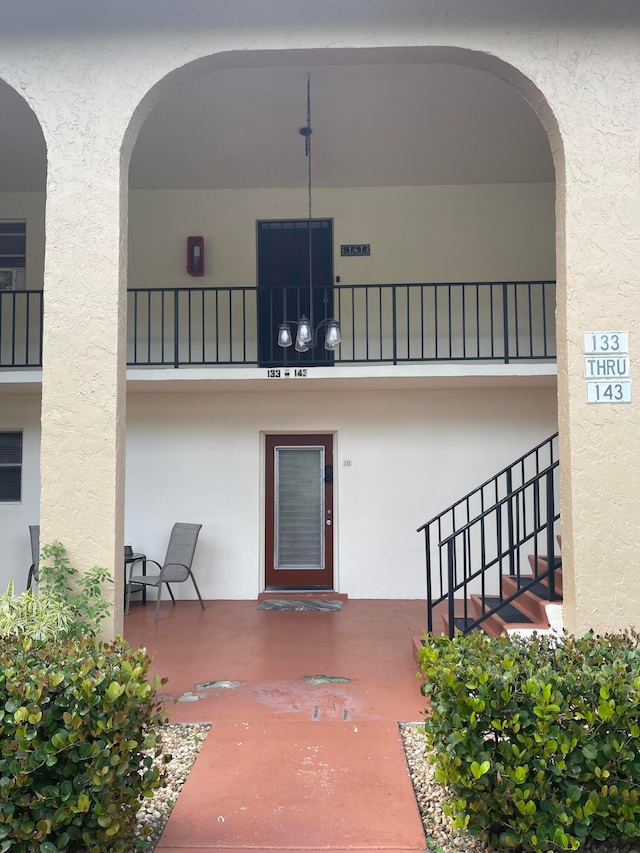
point(488, 144)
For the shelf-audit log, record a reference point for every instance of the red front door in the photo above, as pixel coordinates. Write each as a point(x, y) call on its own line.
point(299, 512)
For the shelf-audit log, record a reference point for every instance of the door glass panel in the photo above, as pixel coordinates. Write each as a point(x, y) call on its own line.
point(299, 509)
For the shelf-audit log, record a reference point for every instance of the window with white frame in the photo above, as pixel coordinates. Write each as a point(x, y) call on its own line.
point(10, 466)
point(13, 254)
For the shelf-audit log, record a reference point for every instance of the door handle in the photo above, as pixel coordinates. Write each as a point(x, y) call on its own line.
point(328, 522)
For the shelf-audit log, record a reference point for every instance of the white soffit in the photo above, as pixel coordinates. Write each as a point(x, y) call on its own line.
point(386, 125)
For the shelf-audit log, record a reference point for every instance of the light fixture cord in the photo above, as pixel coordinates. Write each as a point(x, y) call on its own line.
point(307, 151)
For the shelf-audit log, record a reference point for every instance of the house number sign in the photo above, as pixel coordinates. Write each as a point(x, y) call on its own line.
point(286, 372)
point(355, 250)
point(606, 367)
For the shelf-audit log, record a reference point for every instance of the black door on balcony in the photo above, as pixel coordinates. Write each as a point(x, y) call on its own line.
point(283, 286)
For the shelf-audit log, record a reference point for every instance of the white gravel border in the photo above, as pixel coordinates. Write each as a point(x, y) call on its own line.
point(430, 796)
point(183, 742)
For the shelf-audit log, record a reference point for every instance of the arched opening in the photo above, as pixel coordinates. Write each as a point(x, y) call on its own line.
point(22, 233)
point(437, 166)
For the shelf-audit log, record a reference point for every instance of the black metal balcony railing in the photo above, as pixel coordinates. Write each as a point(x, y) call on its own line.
point(384, 323)
point(21, 328)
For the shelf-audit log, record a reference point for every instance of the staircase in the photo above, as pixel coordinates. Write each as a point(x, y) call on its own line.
point(486, 555)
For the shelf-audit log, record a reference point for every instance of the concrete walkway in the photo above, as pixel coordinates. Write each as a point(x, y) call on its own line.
point(290, 764)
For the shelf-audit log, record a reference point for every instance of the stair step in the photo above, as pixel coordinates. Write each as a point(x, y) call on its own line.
point(542, 558)
point(542, 567)
point(532, 601)
point(462, 622)
point(540, 589)
point(508, 613)
point(495, 624)
point(459, 623)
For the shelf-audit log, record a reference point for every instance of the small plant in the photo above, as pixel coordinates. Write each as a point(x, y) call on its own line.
point(67, 604)
point(537, 742)
point(81, 592)
point(35, 615)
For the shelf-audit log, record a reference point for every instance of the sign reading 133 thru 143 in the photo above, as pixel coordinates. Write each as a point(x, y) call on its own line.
point(606, 367)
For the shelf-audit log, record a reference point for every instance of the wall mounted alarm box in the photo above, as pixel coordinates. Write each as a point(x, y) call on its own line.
point(195, 256)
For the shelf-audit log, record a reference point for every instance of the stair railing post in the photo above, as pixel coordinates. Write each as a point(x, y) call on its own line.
point(2, 299)
point(450, 586)
point(395, 323)
point(427, 545)
point(510, 532)
point(551, 557)
point(176, 330)
point(505, 320)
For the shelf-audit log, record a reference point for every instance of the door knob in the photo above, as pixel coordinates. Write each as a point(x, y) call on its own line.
point(328, 522)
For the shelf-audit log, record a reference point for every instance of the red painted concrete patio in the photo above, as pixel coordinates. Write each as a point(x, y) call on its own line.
point(291, 765)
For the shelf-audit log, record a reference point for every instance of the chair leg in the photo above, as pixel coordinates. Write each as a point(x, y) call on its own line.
point(127, 596)
point(159, 588)
point(171, 594)
point(197, 590)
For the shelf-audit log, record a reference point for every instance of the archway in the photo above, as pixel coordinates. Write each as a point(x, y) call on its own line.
point(158, 247)
point(22, 234)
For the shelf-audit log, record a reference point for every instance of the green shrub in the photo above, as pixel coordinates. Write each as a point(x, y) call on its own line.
point(67, 604)
point(538, 742)
point(76, 717)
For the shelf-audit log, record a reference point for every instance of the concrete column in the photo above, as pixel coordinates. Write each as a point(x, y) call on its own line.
point(83, 383)
point(598, 281)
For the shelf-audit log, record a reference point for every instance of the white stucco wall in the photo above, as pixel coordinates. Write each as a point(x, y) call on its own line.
point(197, 458)
point(501, 232)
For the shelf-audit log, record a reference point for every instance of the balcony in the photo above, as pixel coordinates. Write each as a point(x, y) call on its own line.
point(487, 322)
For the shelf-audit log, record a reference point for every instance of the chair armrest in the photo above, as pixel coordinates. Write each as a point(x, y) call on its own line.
point(153, 578)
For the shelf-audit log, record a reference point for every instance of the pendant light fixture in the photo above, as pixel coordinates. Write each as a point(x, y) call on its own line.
point(306, 335)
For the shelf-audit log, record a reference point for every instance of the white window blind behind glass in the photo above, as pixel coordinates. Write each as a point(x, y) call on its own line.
point(10, 466)
point(299, 507)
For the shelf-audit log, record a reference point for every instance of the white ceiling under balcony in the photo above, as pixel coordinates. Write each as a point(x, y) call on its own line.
point(384, 125)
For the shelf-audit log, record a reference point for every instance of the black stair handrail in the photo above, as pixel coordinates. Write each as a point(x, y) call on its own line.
point(499, 503)
point(481, 503)
point(490, 571)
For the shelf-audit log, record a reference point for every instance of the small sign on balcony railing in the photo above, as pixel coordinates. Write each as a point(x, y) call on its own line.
point(355, 250)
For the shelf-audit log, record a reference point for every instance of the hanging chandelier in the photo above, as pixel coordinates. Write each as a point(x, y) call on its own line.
point(307, 335)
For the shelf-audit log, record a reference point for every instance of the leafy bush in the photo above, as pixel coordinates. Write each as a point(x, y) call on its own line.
point(66, 605)
point(76, 717)
point(538, 741)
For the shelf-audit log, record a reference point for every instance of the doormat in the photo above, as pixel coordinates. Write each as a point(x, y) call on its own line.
point(299, 604)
